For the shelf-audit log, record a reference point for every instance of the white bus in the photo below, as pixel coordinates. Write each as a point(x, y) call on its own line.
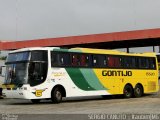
point(53, 73)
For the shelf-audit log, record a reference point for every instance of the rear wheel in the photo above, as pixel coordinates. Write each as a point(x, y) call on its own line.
point(56, 95)
point(35, 101)
point(138, 91)
point(128, 91)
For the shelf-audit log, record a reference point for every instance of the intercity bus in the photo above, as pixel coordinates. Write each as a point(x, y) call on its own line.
point(53, 73)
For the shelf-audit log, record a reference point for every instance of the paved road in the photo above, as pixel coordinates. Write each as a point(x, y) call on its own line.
point(145, 104)
point(73, 108)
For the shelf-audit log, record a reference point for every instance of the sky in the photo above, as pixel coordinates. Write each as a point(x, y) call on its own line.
point(36, 19)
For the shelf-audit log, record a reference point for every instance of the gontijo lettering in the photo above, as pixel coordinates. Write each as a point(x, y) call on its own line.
point(116, 73)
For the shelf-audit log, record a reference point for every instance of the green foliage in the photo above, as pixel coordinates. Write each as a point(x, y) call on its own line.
point(3, 58)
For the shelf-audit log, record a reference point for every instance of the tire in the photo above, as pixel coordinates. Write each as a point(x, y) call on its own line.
point(138, 91)
point(35, 101)
point(128, 91)
point(56, 95)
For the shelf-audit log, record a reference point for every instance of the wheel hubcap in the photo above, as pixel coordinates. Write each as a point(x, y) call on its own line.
point(138, 91)
point(58, 95)
point(127, 92)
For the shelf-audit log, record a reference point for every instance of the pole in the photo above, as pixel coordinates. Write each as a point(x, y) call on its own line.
point(127, 50)
point(153, 48)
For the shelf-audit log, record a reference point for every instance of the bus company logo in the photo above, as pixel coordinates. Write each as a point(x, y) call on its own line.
point(116, 73)
point(38, 93)
point(58, 74)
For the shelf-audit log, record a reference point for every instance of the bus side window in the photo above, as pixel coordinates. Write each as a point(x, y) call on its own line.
point(102, 60)
point(99, 61)
point(152, 62)
point(84, 60)
point(95, 61)
point(39, 56)
point(54, 59)
point(129, 62)
point(117, 62)
point(143, 63)
point(110, 61)
point(60, 59)
point(114, 61)
point(64, 59)
point(75, 60)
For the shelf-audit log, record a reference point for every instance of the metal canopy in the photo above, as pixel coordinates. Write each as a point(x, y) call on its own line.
point(138, 38)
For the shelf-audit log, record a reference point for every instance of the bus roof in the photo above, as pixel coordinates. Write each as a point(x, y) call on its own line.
point(87, 50)
point(103, 51)
point(34, 48)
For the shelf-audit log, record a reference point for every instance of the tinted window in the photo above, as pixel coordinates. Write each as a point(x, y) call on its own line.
point(152, 62)
point(99, 60)
point(21, 56)
point(75, 60)
point(54, 59)
point(60, 59)
point(129, 62)
point(64, 59)
point(39, 56)
point(143, 63)
point(37, 73)
point(84, 60)
point(114, 61)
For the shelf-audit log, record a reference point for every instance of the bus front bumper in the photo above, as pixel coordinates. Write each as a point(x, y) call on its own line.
point(21, 94)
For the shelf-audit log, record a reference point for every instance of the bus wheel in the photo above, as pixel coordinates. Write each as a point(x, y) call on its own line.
point(138, 91)
point(35, 101)
point(56, 95)
point(128, 91)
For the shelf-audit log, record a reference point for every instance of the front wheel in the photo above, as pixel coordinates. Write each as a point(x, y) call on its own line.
point(56, 95)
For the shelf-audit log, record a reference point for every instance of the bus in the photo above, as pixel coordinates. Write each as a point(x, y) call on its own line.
point(53, 73)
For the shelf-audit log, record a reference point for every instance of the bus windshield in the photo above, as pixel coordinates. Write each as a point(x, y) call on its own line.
point(16, 73)
point(16, 68)
point(18, 57)
point(26, 68)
